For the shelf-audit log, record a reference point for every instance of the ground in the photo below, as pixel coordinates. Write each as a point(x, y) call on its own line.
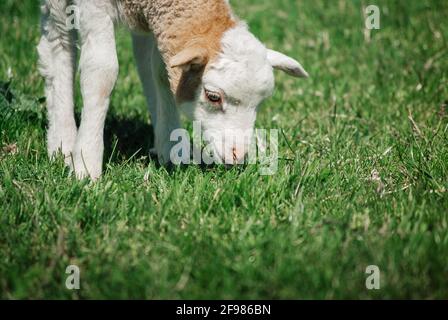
point(362, 177)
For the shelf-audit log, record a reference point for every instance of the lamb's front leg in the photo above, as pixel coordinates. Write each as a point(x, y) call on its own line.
point(99, 70)
point(166, 109)
point(57, 64)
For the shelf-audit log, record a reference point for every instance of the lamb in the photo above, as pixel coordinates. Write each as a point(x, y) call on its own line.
point(192, 56)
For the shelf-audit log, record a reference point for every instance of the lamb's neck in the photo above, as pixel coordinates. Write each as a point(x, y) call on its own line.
point(177, 26)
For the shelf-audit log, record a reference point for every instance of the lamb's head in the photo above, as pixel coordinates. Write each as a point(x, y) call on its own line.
point(223, 93)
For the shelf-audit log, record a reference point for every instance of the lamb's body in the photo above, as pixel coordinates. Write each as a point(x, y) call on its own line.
point(178, 24)
point(178, 46)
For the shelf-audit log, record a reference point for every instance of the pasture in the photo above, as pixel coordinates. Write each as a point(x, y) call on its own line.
point(362, 177)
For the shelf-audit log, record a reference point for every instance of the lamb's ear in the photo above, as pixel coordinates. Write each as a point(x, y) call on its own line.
point(289, 65)
point(190, 56)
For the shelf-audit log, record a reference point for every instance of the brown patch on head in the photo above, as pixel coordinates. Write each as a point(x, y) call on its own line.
point(193, 55)
point(203, 27)
point(197, 42)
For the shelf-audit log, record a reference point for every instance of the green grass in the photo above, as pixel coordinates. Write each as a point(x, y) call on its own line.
point(309, 231)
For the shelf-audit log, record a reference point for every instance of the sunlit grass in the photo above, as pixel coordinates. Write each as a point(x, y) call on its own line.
point(367, 134)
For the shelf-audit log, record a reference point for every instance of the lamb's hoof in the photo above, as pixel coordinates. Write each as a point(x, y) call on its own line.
point(153, 153)
point(84, 171)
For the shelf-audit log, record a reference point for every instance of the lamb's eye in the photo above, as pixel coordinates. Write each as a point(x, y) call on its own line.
point(214, 97)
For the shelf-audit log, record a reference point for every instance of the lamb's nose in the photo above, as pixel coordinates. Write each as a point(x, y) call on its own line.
point(237, 157)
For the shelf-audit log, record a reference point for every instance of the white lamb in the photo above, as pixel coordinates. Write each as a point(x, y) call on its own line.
point(194, 56)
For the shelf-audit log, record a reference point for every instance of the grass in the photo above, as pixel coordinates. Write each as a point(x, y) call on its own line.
point(365, 184)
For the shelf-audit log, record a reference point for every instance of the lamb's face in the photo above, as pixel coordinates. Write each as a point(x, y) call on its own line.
point(232, 87)
point(227, 102)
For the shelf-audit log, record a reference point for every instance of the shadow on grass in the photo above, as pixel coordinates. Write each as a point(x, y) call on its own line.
point(132, 138)
point(126, 138)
